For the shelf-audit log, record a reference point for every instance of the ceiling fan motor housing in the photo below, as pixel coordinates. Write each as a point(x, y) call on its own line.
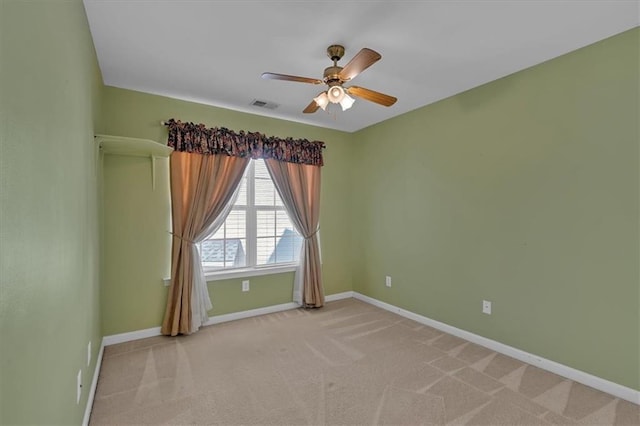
point(331, 75)
point(335, 52)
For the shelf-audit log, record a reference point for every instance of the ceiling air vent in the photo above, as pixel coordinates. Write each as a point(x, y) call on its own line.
point(264, 104)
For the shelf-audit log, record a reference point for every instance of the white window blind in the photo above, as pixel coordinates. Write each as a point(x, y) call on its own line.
point(257, 233)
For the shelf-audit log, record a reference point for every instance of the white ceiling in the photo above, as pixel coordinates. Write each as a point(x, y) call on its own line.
point(213, 52)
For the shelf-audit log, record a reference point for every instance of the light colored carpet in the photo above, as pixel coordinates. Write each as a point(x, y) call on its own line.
point(348, 363)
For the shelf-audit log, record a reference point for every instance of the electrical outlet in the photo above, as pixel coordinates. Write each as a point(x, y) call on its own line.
point(245, 285)
point(79, 386)
point(89, 354)
point(486, 307)
point(387, 281)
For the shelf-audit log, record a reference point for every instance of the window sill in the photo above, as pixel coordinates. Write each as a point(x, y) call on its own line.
point(248, 272)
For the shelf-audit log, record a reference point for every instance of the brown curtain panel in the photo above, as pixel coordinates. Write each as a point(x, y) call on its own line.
point(202, 188)
point(299, 188)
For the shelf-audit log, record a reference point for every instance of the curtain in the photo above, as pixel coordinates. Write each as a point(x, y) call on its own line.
point(299, 187)
point(202, 193)
point(197, 138)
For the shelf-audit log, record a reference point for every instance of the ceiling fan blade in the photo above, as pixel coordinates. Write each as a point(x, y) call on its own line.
point(311, 108)
point(371, 95)
point(363, 60)
point(275, 76)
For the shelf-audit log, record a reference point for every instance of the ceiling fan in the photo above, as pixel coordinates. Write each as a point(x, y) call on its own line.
point(335, 77)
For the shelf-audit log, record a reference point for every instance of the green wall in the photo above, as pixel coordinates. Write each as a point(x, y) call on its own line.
point(49, 262)
point(137, 217)
point(524, 192)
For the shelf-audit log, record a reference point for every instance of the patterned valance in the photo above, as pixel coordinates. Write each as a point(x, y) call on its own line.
point(197, 138)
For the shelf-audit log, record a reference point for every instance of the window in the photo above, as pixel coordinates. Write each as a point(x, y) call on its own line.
point(257, 233)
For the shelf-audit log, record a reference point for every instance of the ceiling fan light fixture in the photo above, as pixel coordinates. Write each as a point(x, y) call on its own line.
point(346, 102)
point(335, 76)
point(335, 94)
point(322, 100)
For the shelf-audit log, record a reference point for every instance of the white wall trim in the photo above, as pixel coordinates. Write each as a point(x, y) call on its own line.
point(217, 319)
point(94, 384)
point(270, 309)
point(338, 296)
point(251, 313)
point(579, 376)
point(132, 335)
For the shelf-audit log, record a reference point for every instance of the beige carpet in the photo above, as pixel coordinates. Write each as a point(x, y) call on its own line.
point(347, 363)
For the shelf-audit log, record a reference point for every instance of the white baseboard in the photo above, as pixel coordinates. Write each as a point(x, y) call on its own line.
point(251, 313)
point(155, 331)
point(579, 376)
point(132, 335)
point(338, 296)
point(94, 384)
point(270, 309)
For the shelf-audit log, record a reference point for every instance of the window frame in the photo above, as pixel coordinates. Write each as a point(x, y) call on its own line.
point(251, 225)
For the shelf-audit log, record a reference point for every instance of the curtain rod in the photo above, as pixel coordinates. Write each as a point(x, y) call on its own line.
point(164, 123)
